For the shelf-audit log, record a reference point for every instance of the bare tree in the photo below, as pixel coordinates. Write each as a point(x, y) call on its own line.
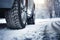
point(57, 8)
point(50, 7)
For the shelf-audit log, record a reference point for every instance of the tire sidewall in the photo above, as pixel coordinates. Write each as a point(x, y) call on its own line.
point(21, 22)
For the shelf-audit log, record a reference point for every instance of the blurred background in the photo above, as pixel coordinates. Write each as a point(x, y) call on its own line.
point(47, 8)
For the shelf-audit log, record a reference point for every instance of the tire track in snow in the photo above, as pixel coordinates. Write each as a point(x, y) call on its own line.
point(56, 27)
point(46, 35)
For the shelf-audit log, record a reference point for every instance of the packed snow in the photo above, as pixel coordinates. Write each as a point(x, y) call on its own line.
point(42, 30)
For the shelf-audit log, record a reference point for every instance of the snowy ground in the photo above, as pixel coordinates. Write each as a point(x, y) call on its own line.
point(42, 30)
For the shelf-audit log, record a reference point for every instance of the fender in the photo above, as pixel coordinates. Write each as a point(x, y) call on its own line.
point(6, 3)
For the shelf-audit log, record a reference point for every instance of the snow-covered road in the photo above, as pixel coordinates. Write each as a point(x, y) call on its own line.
point(42, 30)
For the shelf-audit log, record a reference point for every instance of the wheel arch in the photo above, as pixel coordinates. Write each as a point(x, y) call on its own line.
point(6, 3)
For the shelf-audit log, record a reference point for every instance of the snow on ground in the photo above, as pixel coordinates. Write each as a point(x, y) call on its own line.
point(2, 21)
point(46, 20)
point(36, 20)
point(30, 32)
point(42, 30)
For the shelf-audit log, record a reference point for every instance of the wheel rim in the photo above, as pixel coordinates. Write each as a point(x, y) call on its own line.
point(23, 11)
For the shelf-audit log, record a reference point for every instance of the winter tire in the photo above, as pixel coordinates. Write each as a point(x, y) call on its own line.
point(16, 17)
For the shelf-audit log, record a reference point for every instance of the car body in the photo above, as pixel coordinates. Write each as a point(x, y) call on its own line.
point(6, 3)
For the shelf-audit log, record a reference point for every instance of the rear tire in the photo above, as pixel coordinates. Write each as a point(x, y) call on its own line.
point(30, 21)
point(14, 18)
